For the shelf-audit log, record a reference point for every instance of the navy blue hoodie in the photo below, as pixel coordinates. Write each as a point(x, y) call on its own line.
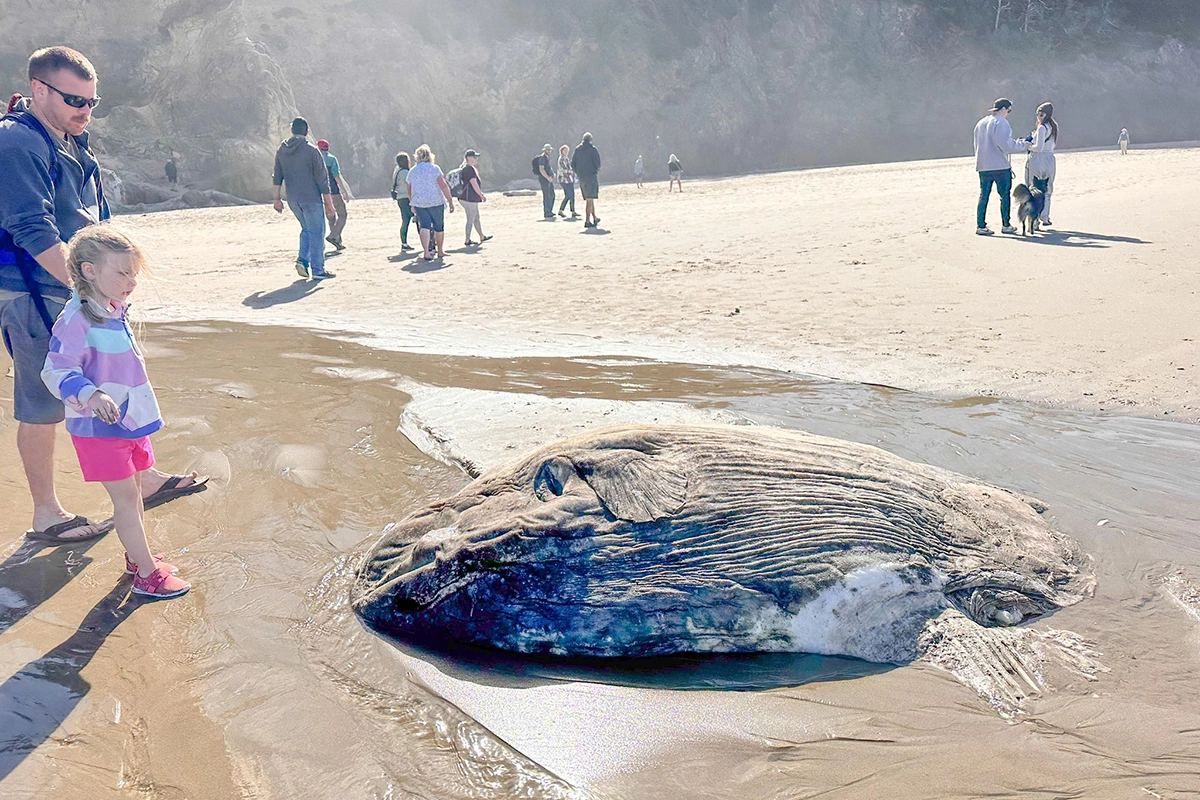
point(36, 211)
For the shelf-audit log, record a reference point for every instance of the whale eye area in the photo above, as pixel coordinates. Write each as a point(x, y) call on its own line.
point(551, 478)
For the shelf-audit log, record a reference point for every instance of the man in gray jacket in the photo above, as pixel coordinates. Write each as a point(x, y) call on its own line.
point(301, 166)
point(994, 147)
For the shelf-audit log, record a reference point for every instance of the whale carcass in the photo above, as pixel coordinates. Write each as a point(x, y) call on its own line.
point(650, 540)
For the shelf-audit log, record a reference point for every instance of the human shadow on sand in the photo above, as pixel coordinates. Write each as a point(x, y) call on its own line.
point(417, 267)
point(405, 256)
point(34, 573)
point(1062, 238)
point(595, 231)
point(686, 671)
point(288, 294)
point(36, 700)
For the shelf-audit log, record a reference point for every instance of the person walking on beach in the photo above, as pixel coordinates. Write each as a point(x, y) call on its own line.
point(1123, 141)
point(172, 172)
point(1040, 165)
point(49, 189)
point(566, 179)
point(544, 169)
point(400, 195)
point(674, 174)
point(586, 163)
point(639, 171)
point(339, 192)
point(302, 168)
point(97, 370)
point(428, 193)
point(994, 147)
point(472, 195)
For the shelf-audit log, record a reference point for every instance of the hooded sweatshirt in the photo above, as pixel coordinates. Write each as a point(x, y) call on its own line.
point(300, 167)
point(994, 144)
point(86, 357)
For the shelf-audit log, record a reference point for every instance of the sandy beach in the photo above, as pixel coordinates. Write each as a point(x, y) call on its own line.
point(1063, 366)
point(864, 274)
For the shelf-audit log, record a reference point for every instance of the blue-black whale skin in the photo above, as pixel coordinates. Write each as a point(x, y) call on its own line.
point(649, 540)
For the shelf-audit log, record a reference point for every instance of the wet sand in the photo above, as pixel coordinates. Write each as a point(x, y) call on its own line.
point(261, 683)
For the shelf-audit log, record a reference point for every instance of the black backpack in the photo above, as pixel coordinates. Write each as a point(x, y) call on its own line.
point(537, 166)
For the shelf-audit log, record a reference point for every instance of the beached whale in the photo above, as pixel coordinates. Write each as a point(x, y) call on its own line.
point(649, 540)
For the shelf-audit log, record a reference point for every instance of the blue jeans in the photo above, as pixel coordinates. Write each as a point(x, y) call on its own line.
point(547, 198)
point(312, 234)
point(1002, 180)
point(568, 197)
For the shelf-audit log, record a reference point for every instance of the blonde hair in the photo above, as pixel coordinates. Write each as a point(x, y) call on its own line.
point(566, 148)
point(90, 245)
point(424, 154)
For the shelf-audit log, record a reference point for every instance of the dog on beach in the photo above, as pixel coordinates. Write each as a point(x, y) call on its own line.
point(1029, 206)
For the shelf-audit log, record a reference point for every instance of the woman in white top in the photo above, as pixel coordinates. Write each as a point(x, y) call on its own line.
point(429, 195)
point(1039, 166)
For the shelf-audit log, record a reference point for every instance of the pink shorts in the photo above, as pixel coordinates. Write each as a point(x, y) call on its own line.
point(111, 459)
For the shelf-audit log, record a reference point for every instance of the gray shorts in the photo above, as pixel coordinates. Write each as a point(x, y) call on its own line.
point(589, 186)
point(28, 341)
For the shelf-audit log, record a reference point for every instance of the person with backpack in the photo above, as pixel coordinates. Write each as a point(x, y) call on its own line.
point(586, 163)
point(543, 168)
point(470, 194)
point(50, 188)
point(400, 195)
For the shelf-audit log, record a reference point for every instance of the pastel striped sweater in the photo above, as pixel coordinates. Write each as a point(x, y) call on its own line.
point(86, 357)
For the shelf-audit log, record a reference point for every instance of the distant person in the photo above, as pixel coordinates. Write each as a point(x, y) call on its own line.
point(472, 195)
point(1123, 141)
point(172, 172)
point(639, 171)
point(400, 195)
point(429, 194)
point(1040, 165)
point(98, 372)
point(994, 147)
point(340, 193)
point(45, 198)
point(566, 179)
point(586, 163)
point(301, 166)
point(674, 174)
point(544, 169)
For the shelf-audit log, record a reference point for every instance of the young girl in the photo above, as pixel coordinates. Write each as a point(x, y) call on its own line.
point(97, 370)
point(1040, 165)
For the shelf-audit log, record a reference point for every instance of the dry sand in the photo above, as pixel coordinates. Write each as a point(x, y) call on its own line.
point(868, 274)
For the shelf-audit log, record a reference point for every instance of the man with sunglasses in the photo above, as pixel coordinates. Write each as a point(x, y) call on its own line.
point(49, 189)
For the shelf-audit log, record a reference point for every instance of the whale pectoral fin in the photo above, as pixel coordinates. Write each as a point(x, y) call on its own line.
point(1007, 666)
point(636, 487)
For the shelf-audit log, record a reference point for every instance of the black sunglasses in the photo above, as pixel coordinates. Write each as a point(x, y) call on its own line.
point(73, 100)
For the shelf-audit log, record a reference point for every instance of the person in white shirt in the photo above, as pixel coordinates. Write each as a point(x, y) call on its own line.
point(994, 147)
point(1039, 167)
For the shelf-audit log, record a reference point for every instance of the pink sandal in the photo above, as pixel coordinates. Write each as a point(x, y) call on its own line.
point(160, 585)
point(131, 568)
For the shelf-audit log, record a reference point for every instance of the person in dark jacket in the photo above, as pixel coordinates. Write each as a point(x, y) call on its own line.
point(586, 163)
point(49, 189)
point(301, 166)
point(172, 171)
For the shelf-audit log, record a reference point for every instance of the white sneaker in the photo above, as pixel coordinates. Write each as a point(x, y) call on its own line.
point(1008, 229)
point(984, 231)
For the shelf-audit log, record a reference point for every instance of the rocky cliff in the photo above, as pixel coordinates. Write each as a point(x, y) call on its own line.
point(728, 85)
